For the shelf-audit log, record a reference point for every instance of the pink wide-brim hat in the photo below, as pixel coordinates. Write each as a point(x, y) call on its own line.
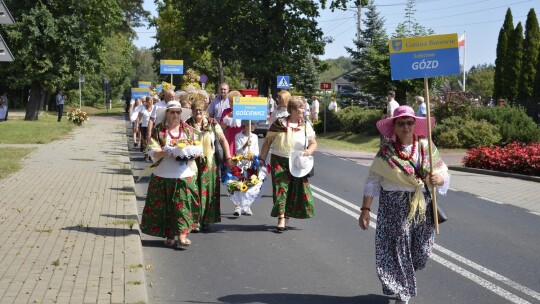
point(386, 126)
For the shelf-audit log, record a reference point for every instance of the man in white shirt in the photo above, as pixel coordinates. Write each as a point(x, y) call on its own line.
point(314, 109)
point(391, 104)
point(169, 96)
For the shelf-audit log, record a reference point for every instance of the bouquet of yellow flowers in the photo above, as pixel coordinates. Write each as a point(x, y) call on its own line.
point(245, 179)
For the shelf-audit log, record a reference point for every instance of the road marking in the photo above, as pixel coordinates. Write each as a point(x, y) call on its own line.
point(467, 274)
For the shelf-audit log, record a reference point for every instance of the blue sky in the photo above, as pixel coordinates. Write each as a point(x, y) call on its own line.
point(480, 19)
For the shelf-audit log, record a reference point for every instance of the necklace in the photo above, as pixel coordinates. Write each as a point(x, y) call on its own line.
point(172, 136)
point(299, 124)
point(399, 149)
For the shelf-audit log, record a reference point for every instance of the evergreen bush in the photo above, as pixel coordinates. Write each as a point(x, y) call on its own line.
point(456, 132)
point(512, 122)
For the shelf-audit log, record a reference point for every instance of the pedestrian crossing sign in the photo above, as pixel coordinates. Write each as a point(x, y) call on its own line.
point(283, 82)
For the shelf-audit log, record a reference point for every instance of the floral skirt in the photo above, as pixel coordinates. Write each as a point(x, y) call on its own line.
point(401, 246)
point(292, 195)
point(209, 187)
point(172, 206)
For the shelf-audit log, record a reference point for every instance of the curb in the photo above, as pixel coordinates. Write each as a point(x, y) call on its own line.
point(495, 173)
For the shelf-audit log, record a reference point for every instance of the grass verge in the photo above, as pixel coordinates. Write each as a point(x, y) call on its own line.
point(348, 141)
point(10, 160)
point(16, 130)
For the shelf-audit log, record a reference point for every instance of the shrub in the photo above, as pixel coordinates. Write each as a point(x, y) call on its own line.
point(512, 122)
point(455, 106)
point(476, 133)
point(457, 132)
point(356, 120)
point(514, 158)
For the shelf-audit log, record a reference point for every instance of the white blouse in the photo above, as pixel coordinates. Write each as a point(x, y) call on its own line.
point(170, 167)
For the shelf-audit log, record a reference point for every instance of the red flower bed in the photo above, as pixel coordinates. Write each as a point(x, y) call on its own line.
point(513, 158)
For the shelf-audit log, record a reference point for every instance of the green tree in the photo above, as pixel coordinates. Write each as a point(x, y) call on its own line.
point(531, 49)
point(480, 80)
point(143, 62)
point(335, 68)
point(267, 38)
point(308, 77)
point(514, 55)
point(53, 42)
point(499, 83)
point(371, 57)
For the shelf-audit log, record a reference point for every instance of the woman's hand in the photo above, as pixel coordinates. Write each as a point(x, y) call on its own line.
point(436, 179)
point(363, 220)
point(230, 162)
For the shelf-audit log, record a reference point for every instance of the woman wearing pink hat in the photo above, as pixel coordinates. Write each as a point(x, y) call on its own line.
point(405, 233)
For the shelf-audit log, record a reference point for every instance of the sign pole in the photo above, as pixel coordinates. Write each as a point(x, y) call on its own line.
point(430, 148)
point(325, 99)
point(80, 93)
point(171, 79)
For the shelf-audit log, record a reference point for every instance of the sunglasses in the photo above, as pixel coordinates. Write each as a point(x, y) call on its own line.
point(175, 112)
point(409, 123)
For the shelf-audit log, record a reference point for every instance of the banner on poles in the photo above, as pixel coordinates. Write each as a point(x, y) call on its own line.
point(171, 67)
point(145, 84)
point(250, 108)
point(139, 92)
point(426, 56)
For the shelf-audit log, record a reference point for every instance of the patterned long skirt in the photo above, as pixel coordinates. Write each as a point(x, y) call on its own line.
point(401, 246)
point(209, 186)
point(172, 206)
point(292, 195)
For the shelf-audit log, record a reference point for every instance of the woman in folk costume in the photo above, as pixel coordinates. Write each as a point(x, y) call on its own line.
point(290, 137)
point(400, 176)
point(208, 170)
point(172, 205)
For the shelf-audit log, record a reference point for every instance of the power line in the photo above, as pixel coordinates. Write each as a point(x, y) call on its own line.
point(482, 10)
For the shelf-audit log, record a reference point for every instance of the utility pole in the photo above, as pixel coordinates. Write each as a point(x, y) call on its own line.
point(358, 21)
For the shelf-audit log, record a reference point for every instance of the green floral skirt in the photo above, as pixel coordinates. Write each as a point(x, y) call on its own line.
point(209, 186)
point(292, 195)
point(172, 206)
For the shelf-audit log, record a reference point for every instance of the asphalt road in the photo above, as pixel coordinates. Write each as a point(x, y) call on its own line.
point(485, 253)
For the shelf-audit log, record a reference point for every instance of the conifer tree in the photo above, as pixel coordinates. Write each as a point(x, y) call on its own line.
point(499, 88)
point(531, 48)
point(512, 68)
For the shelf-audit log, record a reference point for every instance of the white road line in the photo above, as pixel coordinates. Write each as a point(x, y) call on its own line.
point(488, 272)
point(478, 280)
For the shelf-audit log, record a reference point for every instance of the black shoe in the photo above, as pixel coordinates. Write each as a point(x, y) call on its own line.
point(135, 144)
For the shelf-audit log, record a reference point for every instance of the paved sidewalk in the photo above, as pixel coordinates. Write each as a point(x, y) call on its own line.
point(64, 222)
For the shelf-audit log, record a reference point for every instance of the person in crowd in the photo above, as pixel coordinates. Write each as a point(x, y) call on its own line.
point(59, 104)
point(172, 206)
point(207, 166)
point(134, 118)
point(158, 104)
point(422, 110)
point(314, 109)
point(332, 106)
point(400, 176)
point(391, 104)
point(246, 143)
point(4, 101)
point(289, 136)
point(220, 103)
point(283, 99)
point(230, 125)
point(3, 111)
point(307, 109)
point(144, 123)
point(271, 105)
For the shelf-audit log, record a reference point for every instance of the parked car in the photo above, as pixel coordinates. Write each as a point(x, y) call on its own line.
point(262, 128)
